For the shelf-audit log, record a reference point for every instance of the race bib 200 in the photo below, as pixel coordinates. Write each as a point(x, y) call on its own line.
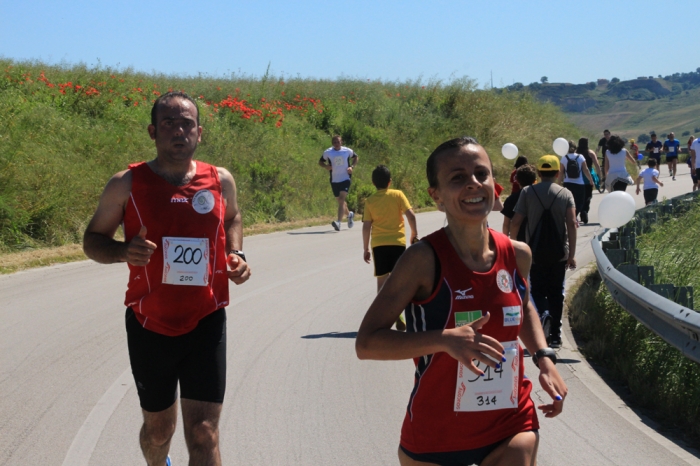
point(185, 261)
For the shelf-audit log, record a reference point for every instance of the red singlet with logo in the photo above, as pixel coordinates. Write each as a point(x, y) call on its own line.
point(451, 408)
point(186, 278)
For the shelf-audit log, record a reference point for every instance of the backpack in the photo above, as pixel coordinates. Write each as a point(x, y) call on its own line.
point(573, 171)
point(546, 243)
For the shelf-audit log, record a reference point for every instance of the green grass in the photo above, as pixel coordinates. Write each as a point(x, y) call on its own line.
point(65, 130)
point(658, 376)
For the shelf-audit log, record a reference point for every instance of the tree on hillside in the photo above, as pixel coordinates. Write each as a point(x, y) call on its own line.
point(643, 138)
point(614, 81)
point(544, 79)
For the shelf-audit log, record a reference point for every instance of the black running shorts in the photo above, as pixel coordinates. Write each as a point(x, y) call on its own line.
point(338, 187)
point(650, 195)
point(385, 258)
point(197, 360)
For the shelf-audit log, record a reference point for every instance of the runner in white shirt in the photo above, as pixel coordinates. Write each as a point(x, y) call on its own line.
point(651, 182)
point(340, 161)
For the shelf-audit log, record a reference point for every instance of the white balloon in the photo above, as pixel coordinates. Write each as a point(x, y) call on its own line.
point(561, 147)
point(509, 151)
point(616, 209)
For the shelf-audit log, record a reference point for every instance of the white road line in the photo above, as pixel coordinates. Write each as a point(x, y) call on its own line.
point(88, 435)
point(81, 449)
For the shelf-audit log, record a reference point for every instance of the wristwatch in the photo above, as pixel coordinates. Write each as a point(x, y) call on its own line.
point(239, 254)
point(544, 353)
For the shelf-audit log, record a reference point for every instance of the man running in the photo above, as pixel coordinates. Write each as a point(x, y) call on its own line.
point(672, 147)
point(181, 226)
point(654, 149)
point(340, 161)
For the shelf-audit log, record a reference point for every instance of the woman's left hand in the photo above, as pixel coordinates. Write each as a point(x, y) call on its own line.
point(552, 383)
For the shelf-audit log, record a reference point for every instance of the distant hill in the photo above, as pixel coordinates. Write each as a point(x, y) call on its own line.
point(629, 108)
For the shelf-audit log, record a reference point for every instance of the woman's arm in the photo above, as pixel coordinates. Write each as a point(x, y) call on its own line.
point(411, 279)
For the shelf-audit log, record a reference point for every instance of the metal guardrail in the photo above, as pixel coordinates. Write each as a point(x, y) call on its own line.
point(674, 321)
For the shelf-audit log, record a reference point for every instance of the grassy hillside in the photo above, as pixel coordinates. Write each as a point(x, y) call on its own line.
point(628, 108)
point(65, 131)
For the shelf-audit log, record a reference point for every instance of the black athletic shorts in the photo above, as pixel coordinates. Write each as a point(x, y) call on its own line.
point(197, 360)
point(338, 187)
point(456, 458)
point(650, 195)
point(385, 258)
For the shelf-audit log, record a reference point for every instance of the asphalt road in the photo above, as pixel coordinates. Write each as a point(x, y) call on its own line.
point(296, 395)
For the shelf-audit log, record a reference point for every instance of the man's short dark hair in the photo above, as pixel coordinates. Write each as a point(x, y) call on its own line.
point(526, 175)
point(520, 161)
point(381, 176)
point(167, 96)
point(606, 131)
point(548, 173)
point(431, 164)
point(615, 144)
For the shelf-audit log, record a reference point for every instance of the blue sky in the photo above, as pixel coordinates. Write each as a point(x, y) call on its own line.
point(391, 40)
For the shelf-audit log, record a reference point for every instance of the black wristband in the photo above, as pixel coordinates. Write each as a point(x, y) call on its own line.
point(544, 353)
point(239, 254)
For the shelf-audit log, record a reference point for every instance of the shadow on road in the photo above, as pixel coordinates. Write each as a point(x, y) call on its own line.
point(331, 335)
point(568, 361)
point(310, 232)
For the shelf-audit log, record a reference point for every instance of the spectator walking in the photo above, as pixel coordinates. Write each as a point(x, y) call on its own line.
point(616, 176)
point(382, 222)
point(650, 175)
point(519, 162)
point(525, 176)
point(572, 172)
point(550, 212)
point(594, 168)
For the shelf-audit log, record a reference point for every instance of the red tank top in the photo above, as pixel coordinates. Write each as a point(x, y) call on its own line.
point(433, 422)
point(186, 278)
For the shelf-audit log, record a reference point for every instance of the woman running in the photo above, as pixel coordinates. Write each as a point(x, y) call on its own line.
point(616, 176)
point(466, 302)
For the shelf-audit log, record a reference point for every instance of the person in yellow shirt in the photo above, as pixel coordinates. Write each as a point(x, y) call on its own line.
point(383, 222)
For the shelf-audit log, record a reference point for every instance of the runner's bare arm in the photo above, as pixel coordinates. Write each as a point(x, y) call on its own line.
point(322, 162)
point(411, 217)
point(366, 234)
point(354, 159)
point(594, 157)
point(233, 227)
point(515, 223)
point(533, 338)
point(98, 241)
point(412, 278)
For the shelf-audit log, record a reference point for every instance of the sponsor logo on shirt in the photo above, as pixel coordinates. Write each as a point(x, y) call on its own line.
point(176, 199)
point(511, 316)
point(504, 281)
point(203, 201)
point(462, 294)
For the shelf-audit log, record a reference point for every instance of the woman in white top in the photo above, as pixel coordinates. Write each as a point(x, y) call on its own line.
point(575, 184)
point(616, 176)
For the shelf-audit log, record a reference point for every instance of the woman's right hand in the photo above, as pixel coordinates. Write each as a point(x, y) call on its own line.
point(466, 344)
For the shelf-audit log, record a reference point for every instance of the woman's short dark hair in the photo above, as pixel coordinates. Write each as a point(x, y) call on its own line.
point(431, 164)
point(520, 161)
point(381, 176)
point(583, 146)
point(615, 144)
point(526, 175)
